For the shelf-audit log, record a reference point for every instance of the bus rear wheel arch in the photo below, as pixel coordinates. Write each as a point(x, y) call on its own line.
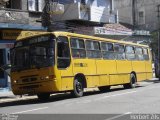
point(133, 81)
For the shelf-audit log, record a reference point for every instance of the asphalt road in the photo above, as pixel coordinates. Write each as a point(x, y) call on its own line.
point(145, 98)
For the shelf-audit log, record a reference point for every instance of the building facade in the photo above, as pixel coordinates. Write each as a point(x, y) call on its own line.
point(84, 15)
point(87, 10)
point(142, 14)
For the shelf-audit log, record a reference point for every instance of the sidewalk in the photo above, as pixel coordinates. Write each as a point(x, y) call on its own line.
point(6, 94)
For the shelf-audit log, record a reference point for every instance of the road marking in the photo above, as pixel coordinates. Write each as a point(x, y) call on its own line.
point(30, 110)
point(115, 95)
point(83, 101)
point(118, 116)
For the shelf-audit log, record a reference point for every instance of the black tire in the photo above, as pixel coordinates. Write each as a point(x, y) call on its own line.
point(104, 88)
point(78, 87)
point(43, 96)
point(132, 83)
point(156, 74)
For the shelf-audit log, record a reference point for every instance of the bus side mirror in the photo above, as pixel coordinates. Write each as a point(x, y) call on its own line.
point(6, 68)
point(8, 55)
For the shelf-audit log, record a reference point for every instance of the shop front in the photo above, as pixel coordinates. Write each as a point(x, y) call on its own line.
point(5, 47)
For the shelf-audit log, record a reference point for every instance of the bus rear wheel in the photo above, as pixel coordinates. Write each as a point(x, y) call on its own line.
point(104, 88)
point(132, 83)
point(77, 87)
point(43, 96)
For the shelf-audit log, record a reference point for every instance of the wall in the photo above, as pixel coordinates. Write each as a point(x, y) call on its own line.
point(150, 10)
point(149, 7)
point(93, 10)
point(19, 14)
point(124, 8)
point(16, 4)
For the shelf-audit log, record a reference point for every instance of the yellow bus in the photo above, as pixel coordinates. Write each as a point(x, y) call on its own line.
point(61, 61)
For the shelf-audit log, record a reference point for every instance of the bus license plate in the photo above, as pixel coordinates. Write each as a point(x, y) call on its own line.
point(31, 91)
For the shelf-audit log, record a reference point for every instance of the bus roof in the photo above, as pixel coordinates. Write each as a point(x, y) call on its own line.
point(61, 33)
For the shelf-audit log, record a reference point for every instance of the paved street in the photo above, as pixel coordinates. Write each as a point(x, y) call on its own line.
point(143, 99)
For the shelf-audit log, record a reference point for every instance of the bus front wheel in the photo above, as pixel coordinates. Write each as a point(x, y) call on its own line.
point(43, 96)
point(77, 88)
point(132, 83)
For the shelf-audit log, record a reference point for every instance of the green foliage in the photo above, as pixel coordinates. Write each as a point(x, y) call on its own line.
point(154, 43)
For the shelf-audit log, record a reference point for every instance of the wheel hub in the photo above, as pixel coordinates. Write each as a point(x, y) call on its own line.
point(78, 87)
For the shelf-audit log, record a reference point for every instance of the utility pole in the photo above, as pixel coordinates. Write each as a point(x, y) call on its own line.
point(158, 59)
point(51, 7)
point(46, 17)
point(134, 12)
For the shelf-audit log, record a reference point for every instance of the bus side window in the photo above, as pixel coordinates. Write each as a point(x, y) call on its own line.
point(139, 53)
point(107, 51)
point(78, 48)
point(130, 53)
point(119, 51)
point(145, 54)
point(93, 49)
point(63, 52)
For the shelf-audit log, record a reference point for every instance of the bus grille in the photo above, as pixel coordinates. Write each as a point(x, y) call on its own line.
point(28, 80)
point(29, 87)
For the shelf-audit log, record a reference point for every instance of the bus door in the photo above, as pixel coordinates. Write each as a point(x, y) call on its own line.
point(64, 63)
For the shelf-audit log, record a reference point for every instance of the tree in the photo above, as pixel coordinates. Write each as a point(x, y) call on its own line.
point(154, 43)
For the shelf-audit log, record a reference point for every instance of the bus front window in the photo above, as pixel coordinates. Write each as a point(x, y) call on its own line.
point(34, 52)
point(42, 55)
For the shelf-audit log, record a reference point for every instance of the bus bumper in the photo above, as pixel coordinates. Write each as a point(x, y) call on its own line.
point(35, 88)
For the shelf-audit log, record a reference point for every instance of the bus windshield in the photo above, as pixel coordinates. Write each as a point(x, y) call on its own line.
point(36, 52)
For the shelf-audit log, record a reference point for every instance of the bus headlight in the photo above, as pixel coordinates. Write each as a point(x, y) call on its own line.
point(47, 77)
point(15, 81)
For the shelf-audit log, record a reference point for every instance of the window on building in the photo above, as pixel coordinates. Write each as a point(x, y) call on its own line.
point(16, 4)
point(78, 48)
point(83, 2)
point(9, 4)
point(36, 5)
point(65, 1)
point(141, 17)
point(103, 3)
point(6, 3)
